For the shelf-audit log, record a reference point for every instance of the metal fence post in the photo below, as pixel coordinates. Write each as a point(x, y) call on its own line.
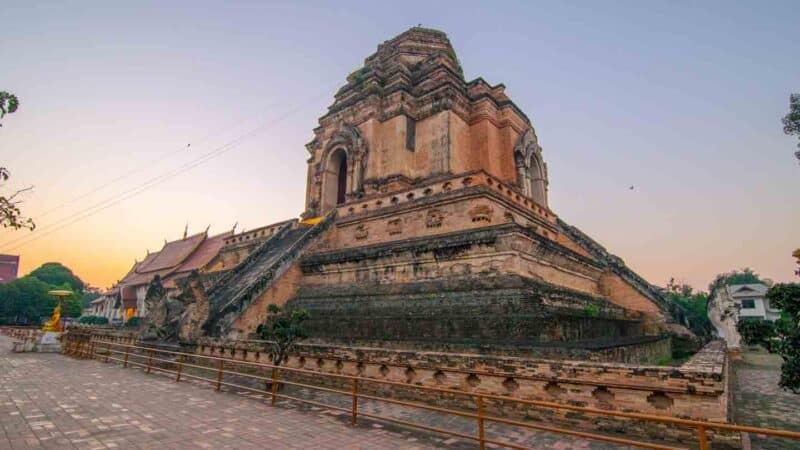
point(219, 374)
point(481, 431)
point(150, 361)
point(355, 401)
point(701, 436)
point(127, 351)
point(180, 368)
point(274, 384)
point(108, 350)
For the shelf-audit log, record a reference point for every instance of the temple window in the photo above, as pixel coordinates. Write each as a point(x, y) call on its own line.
point(335, 180)
point(411, 134)
point(341, 188)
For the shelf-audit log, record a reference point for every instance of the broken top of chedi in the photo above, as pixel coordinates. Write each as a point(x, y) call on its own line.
point(427, 220)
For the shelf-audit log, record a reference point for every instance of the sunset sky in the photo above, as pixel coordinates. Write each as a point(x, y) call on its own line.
point(680, 100)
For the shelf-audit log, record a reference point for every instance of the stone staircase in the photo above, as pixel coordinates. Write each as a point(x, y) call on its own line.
point(232, 294)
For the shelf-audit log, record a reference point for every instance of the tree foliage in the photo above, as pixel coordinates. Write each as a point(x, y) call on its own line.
point(692, 306)
point(10, 214)
point(786, 296)
point(58, 274)
point(756, 331)
point(88, 297)
point(26, 300)
point(8, 103)
point(791, 121)
point(93, 320)
point(283, 329)
point(743, 276)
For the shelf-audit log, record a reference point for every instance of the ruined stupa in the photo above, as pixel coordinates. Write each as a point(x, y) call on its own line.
point(427, 221)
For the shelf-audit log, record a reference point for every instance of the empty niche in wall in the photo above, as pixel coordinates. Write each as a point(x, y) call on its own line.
point(660, 400)
point(553, 389)
point(410, 374)
point(603, 395)
point(510, 384)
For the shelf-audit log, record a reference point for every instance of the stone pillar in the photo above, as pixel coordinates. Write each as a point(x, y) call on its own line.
point(356, 176)
point(350, 177)
point(523, 180)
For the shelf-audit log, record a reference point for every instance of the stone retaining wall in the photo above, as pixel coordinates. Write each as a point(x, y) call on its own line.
point(695, 390)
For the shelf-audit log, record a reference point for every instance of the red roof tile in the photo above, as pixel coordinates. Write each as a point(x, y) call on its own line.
point(172, 254)
point(205, 252)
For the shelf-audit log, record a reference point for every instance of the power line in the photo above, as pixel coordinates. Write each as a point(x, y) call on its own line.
point(157, 160)
point(118, 198)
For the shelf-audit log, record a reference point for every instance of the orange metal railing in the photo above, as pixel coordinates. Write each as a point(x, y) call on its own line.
point(127, 353)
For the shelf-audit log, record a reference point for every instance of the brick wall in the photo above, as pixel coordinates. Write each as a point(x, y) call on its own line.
point(695, 390)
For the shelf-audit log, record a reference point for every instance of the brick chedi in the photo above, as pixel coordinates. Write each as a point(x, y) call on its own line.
point(427, 220)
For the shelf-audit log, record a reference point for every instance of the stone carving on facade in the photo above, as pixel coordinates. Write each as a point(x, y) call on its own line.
point(481, 213)
point(531, 168)
point(361, 232)
point(323, 245)
point(175, 316)
point(162, 322)
point(394, 226)
point(434, 218)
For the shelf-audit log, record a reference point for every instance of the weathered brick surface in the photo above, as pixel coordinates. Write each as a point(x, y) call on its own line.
point(696, 391)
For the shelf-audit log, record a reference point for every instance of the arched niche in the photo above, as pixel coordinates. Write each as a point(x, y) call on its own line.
point(334, 180)
point(341, 168)
point(538, 181)
point(531, 169)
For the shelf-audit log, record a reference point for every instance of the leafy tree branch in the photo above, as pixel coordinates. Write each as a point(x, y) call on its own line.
point(791, 121)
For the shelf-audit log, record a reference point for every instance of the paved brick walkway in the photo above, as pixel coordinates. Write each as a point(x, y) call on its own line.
point(52, 401)
point(758, 401)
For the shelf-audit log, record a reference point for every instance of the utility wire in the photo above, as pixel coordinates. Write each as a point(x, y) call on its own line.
point(157, 160)
point(118, 198)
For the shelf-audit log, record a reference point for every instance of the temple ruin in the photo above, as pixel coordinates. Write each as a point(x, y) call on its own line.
point(427, 221)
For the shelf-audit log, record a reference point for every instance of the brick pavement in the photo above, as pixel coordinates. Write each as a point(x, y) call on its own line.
point(759, 401)
point(52, 401)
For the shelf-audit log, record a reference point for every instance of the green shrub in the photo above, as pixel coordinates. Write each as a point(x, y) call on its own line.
point(132, 322)
point(93, 320)
point(756, 331)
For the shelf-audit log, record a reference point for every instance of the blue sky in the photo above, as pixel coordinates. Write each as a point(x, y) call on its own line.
point(682, 100)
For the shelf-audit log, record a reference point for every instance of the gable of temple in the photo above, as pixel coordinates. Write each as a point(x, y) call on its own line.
point(408, 115)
